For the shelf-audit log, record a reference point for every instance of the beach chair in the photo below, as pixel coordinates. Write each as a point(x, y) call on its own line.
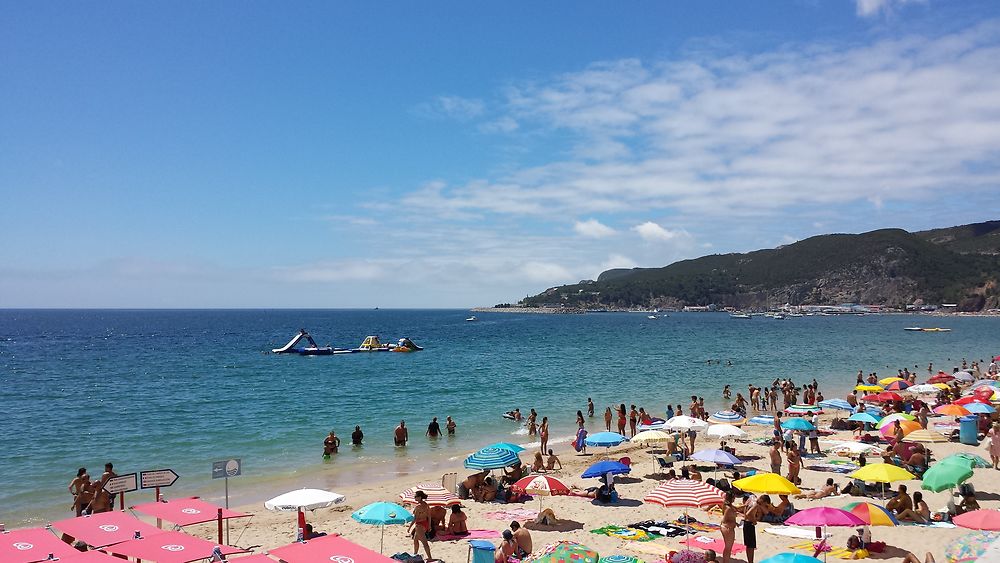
point(662, 465)
point(449, 482)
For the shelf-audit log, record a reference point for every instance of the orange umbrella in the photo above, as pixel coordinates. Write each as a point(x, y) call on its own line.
point(952, 409)
point(907, 426)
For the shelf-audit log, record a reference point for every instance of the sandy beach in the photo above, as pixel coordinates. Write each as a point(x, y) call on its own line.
point(580, 515)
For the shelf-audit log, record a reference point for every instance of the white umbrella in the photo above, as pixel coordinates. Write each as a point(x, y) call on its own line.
point(687, 423)
point(963, 376)
point(725, 431)
point(303, 499)
point(923, 389)
point(647, 436)
point(848, 448)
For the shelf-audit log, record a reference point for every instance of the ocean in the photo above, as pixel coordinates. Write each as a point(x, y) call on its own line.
point(179, 389)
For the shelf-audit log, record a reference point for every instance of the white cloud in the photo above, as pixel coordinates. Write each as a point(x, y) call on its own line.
point(618, 261)
point(717, 134)
point(452, 107)
point(592, 228)
point(333, 271)
point(872, 8)
point(504, 124)
point(652, 232)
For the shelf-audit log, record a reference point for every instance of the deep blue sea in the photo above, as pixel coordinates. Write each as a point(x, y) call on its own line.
point(181, 389)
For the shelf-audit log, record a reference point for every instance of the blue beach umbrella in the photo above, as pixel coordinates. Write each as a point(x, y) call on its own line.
point(601, 468)
point(721, 457)
point(863, 417)
point(605, 439)
point(979, 408)
point(797, 424)
point(791, 558)
point(762, 420)
point(838, 404)
point(507, 446)
point(491, 458)
point(874, 411)
point(382, 514)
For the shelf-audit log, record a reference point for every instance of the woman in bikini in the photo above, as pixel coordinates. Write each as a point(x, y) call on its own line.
point(622, 417)
point(729, 513)
point(607, 418)
point(543, 435)
point(421, 523)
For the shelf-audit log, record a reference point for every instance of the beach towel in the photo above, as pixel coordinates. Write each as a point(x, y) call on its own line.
point(790, 532)
point(834, 467)
point(580, 443)
point(698, 526)
point(472, 535)
point(512, 514)
point(625, 533)
point(836, 552)
point(705, 542)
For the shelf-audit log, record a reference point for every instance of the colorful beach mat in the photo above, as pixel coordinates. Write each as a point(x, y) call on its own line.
point(625, 533)
point(698, 526)
point(836, 552)
point(705, 542)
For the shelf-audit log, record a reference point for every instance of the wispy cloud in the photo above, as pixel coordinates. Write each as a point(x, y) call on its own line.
point(592, 228)
point(872, 8)
point(651, 231)
point(452, 107)
point(724, 134)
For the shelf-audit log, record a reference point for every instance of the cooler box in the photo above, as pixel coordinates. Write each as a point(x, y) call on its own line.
point(968, 430)
point(481, 551)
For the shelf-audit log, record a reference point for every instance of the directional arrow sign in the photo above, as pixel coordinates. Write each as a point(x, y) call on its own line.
point(121, 484)
point(227, 468)
point(157, 478)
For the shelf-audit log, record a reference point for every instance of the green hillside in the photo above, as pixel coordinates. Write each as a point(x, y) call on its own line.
point(888, 267)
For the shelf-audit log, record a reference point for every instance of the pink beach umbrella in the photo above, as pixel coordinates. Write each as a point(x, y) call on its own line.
point(979, 520)
point(823, 516)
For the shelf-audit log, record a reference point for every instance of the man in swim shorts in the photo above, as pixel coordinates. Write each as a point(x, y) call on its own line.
point(433, 429)
point(401, 434)
point(357, 437)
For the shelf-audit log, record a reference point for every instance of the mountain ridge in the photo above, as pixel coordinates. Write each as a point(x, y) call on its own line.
point(889, 267)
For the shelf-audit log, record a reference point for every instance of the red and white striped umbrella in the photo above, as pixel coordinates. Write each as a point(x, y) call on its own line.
point(686, 493)
point(436, 495)
point(541, 485)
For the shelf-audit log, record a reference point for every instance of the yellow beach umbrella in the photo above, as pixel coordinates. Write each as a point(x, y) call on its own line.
point(882, 473)
point(941, 385)
point(888, 380)
point(870, 388)
point(926, 436)
point(647, 436)
point(769, 483)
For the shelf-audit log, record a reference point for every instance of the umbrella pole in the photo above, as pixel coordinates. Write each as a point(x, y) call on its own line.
point(381, 541)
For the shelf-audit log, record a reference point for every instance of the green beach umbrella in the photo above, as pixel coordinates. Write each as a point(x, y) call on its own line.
point(944, 476)
point(972, 461)
point(621, 559)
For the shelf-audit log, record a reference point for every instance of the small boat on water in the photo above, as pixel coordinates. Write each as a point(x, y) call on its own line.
point(919, 329)
point(471, 319)
point(654, 317)
point(778, 317)
point(739, 316)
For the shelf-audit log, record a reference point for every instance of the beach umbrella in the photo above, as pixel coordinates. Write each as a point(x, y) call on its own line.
point(943, 476)
point(382, 514)
point(791, 558)
point(797, 424)
point(940, 377)
point(768, 483)
point(762, 420)
point(870, 409)
point(900, 416)
point(979, 520)
point(886, 396)
point(564, 552)
point(872, 514)
point(869, 388)
point(863, 417)
point(882, 473)
point(908, 426)
point(620, 559)
point(605, 439)
point(853, 448)
point(887, 380)
point(951, 409)
point(650, 436)
point(720, 457)
point(725, 431)
point(941, 385)
point(836, 404)
point(301, 500)
point(727, 417)
point(873, 398)
point(683, 422)
point(32, 544)
point(923, 389)
point(436, 495)
point(897, 386)
point(963, 376)
point(507, 446)
point(969, 399)
point(803, 410)
point(685, 493)
point(973, 460)
point(491, 458)
point(979, 408)
point(824, 516)
point(602, 468)
point(926, 436)
point(976, 546)
point(541, 485)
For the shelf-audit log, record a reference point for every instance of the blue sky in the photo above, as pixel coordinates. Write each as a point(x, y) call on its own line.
point(402, 154)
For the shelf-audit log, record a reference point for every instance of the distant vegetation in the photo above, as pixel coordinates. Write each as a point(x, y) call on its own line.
point(891, 267)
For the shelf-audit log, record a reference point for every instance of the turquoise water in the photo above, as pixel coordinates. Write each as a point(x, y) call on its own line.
point(180, 389)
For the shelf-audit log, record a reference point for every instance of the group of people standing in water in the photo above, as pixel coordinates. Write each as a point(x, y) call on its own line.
point(400, 435)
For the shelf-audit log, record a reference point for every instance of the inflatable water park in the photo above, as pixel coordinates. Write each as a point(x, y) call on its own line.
point(370, 344)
